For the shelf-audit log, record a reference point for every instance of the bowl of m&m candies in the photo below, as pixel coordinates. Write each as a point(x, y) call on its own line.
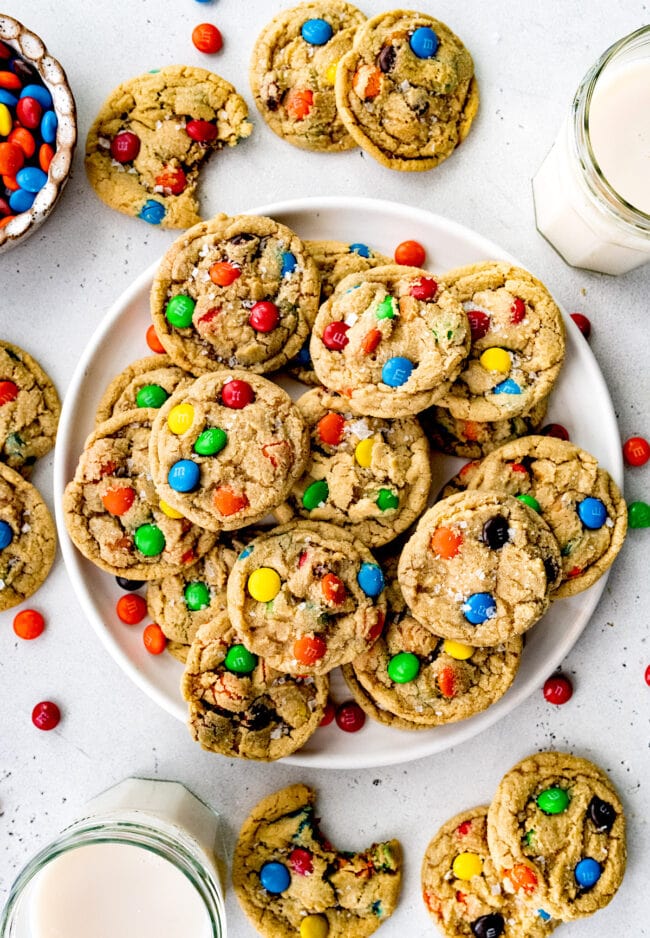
point(38, 132)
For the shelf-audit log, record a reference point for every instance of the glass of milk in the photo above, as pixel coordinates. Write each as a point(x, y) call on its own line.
point(143, 862)
point(592, 192)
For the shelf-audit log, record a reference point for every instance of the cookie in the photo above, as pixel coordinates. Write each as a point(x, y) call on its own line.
point(29, 409)
point(183, 602)
point(147, 382)
point(227, 450)
point(462, 890)
point(556, 831)
point(238, 292)
point(146, 146)
point(290, 880)
point(517, 342)
point(178, 650)
point(461, 481)
point(369, 475)
point(470, 439)
point(579, 501)
point(406, 92)
point(27, 539)
point(390, 340)
point(412, 679)
point(113, 513)
point(239, 706)
point(293, 69)
point(307, 597)
point(334, 260)
point(480, 568)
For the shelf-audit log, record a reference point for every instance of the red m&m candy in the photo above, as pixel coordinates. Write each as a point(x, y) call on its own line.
point(558, 689)
point(237, 394)
point(29, 112)
point(201, 131)
point(517, 310)
point(8, 392)
point(172, 181)
point(556, 430)
point(335, 336)
point(264, 316)
point(350, 717)
point(582, 323)
point(479, 323)
point(207, 38)
point(330, 711)
point(636, 450)
point(125, 147)
point(46, 715)
point(424, 289)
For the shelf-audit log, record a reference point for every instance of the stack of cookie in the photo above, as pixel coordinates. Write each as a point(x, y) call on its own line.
point(401, 85)
point(549, 849)
point(29, 414)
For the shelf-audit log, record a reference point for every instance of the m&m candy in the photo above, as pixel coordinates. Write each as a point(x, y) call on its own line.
point(638, 515)
point(530, 501)
point(496, 359)
point(488, 926)
point(6, 535)
point(316, 32)
point(207, 38)
point(184, 476)
point(371, 579)
point(28, 624)
point(334, 336)
point(264, 316)
point(553, 800)
point(410, 253)
point(396, 371)
point(592, 513)
point(308, 649)
point(46, 715)
point(131, 609)
point(149, 540)
point(151, 395)
point(240, 660)
point(350, 717)
point(479, 607)
point(587, 873)
point(314, 926)
point(179, 311)
point(264, 584)
point(636, 451)
point(275, 877)
point(125, 147)
point(154, 639)
point(211, 442)
point(315, 494)
point(424, 42)
point(197, 596)
point(467, 865)
point(403, 667)
point(237, 394)
point(582, 323)
point(558, 689)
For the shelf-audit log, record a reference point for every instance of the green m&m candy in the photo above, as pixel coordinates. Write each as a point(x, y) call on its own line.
point(386, 309)
point(403, 667)
point(638, 515)
point(211, 441)
point(315, 494)
point(530, 501)
point(179, 311)
point(553, 800)
point(387, 500)
point(149, 540)
point(240, 660)
point(151, 395)
point(197, 596)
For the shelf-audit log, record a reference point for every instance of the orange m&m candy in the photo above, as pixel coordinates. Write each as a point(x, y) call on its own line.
point(298, 103)
point(154, 342)
point(131, 609)
point(445, 542)
point(330, 428)
point(28, 624)
point(154, 639)
point(228, 502)
point(309, 649)
point(118, 501)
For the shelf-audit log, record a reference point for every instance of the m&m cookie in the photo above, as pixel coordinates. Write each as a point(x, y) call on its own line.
point(239, 706)
point(293, 71)
point(238, 292)
point(390, 340)
point(147, 382)
point(227, 449)
point(146, 145)
point(480, 568)
point(370, 475)
point(473, 439)
point(406, 91)
point(579, 501)
point(113, 513)
point(556, 831)
point(307, 597)
point(517, 342)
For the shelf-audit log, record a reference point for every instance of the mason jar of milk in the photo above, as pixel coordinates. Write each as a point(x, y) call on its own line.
point(142, 862)
point(592, 193)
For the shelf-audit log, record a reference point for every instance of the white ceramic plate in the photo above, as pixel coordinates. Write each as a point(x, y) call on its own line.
point(580, 402)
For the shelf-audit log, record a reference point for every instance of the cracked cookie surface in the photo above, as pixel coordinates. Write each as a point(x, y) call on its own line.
point(413, 679)
point(369, 475)
point(226, 450)
point(579, 501)
point(307, 597)
point(390, 340)
point(29, 409)
point(518, 342)
point(166, 122)
point(551, 813)
point(406, 91)
point(147, 382)
point(466, 906)
point(471, 439)
point(293, 69)
point(114, 514)
point(351, 893)
point(235, 292)
point(27, 536)
point(480, 568)
point(239, 706)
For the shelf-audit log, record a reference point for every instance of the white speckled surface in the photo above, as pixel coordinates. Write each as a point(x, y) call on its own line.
point(529, 58)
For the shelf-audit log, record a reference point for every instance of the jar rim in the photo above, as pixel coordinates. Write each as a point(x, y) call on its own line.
point(127, 833)
point(607, 196)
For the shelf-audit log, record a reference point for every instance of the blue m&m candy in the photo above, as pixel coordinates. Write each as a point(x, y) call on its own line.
point(424, 42)
point(152, 212)
point(31, 178)
point(316, 32)
point(361, 249)
point(184, 476)
point(275, 877)
point(507, 387)
point(587, 873)
point(39, 93)
point(247, 551)
point(303, 357)
point(289, 263)
point(21, 200)
point(479, 607)
point(371, 579)
point(396, 371)
point(6, 97)
point(49, 125)
point(592, 513)
point(6, 535)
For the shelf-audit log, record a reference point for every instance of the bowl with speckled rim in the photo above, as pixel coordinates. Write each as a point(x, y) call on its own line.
point(33, 51)
point(580, 401)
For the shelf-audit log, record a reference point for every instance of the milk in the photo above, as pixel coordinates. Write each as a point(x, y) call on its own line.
point(111, 890)
point(594, 185)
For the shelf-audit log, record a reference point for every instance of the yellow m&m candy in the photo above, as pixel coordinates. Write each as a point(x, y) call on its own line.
point(457, 650)
point(264, 584)
point(314, 926)
point(496, 359)
point(363, 453)
point(467, 865)
point(180, 418)
point(169, 511)
point(330, 73)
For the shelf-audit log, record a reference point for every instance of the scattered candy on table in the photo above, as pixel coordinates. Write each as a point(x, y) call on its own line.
point(350, 717)
point(636, 451)
point(46, 715)
point(556, 430)
point(28, 624)
point(558, 689)
point(638, 515)
point(583, 324)
point(330, 709)
point(131, 609)
point(154, 639)
point(207, 38)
